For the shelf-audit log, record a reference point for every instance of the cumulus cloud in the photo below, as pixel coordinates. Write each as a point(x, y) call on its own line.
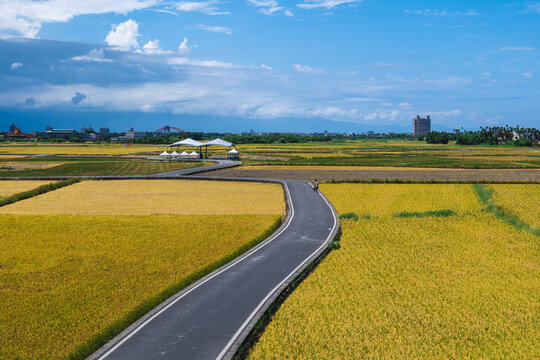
point(25, 17)
point(206, 7)
point(15, 65)
point(528, 75)
point(184, 47)
point(153, 47)
point(216, 29)
point(96, 55)
point(78, 98)
point(124, 35)
point(327, 4)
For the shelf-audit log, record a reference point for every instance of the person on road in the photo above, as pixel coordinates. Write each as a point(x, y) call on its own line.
point(316, 185)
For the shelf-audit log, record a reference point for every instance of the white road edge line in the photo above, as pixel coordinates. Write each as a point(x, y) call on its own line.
point(138, 328)
point(261, 304)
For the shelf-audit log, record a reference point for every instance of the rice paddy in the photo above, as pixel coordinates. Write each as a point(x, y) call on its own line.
point(75, 273)
point(460, 286)
point(8, 188)
point(154, 197)
point(521, 201)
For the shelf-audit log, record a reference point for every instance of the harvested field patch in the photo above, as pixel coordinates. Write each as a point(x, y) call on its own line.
point(18, 166)
point(512, 175)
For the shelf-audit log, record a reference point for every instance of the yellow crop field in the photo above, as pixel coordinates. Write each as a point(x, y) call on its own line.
point(147, 197)
point(65, 279)
point(76, 263)
point(521, 200)
point(456, 287)
point(113, 149)
point(8, 187)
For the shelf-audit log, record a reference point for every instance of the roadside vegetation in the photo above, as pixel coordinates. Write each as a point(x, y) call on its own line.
point(79, 264)
point(461, 286)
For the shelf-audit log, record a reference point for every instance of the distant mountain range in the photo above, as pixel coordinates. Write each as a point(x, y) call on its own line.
point(37, 120)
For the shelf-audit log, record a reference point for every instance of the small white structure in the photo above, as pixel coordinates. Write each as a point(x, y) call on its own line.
point(233, 154)
point(193, 154)
point(164, 154)
point(174, 153)
point(184, 154)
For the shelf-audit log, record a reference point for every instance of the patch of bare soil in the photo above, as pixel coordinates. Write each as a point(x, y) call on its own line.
point(18, 166)
point(367, 175)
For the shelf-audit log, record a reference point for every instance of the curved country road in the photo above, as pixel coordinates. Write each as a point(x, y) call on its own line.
point(211, 318)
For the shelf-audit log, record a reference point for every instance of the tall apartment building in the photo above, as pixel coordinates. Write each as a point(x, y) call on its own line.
point(421, 126)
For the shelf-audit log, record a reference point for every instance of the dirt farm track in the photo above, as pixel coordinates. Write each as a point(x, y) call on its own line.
point(367, 175)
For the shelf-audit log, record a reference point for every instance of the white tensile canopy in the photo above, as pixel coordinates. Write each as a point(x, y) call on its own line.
point(218, 142)
point(184, 153)
point(174, 153)
point(233, 151)
point(164, 154)
point(189, 142)
point(193, 153)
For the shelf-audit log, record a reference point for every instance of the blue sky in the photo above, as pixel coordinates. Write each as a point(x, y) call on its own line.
point(271, 64)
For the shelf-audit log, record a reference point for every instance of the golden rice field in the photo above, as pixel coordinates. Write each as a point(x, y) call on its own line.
point(78, 149)
point(520, 200)
point(464, 286)
point(67, 278)
point(8, 188)
point(154, 197)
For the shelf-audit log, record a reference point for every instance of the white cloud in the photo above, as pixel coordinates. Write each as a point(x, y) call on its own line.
point(206, 7)
point(437, 12)
point(15, 65)
point(124, 35)
point(267, 7)
point(405, 105)
point(528, 75)
point(216, 29)
point(517, 48)
point(305, 69)
point(153, 47)
point(327, 4)
point(25, 17)
point(97, 55)
point(533, 7)
point(184, 47)
point(202, 63)
point(288, 13)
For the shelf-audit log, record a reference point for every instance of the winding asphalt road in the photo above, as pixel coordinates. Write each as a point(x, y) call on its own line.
point(211, 318)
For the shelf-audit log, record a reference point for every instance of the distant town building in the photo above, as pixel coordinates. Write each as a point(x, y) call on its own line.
point(421, 126)
point(60, 133)
point(15, 132)
point(132, 134)
point(85, 129)
point(371, 133)
point(104, 130)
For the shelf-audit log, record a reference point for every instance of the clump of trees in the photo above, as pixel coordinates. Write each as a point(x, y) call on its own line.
point(274, 138)
point(437, 137)
point(495, 135)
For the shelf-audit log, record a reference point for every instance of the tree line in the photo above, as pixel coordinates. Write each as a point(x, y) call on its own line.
point(494, 135)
